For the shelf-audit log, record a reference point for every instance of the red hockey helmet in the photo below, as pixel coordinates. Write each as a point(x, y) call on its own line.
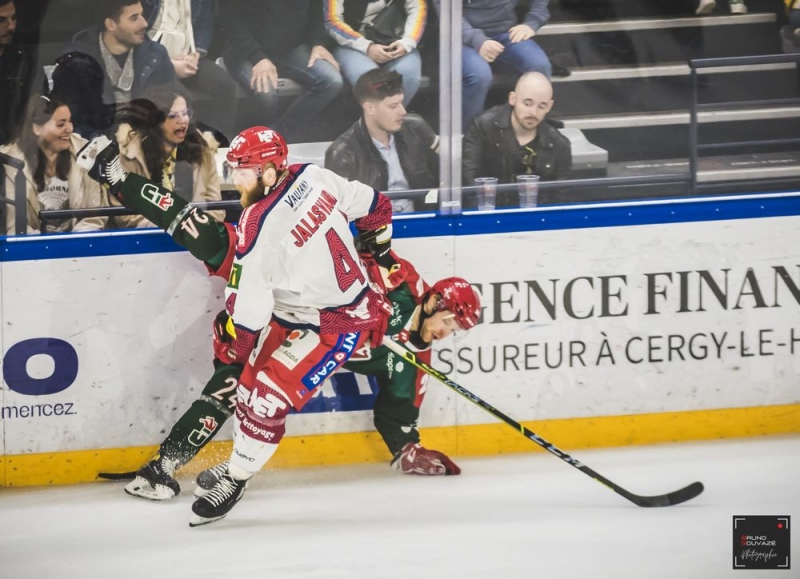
point(255, 146)
point(460, 298)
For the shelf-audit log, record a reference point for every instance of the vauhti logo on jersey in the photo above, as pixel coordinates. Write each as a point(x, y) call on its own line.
point(155, 196)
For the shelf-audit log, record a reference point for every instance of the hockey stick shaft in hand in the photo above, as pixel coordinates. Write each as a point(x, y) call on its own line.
point(673, 498)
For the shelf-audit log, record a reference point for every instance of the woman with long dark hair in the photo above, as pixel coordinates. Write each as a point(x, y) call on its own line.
point(53, 179)
point(158, 140)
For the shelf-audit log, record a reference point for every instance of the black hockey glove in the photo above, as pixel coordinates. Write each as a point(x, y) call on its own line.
point(100, 158)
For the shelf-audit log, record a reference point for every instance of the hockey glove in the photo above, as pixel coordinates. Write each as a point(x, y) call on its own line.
point(381, 309)
point(100, 158)
point(231, 346)
point(416, 459)
point(377, 244)
point(386, 279)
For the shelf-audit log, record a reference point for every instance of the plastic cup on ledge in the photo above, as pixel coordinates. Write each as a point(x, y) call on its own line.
point(487, 193)
point(528, 188)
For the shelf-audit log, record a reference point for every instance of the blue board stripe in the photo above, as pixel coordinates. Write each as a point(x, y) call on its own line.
point(685, 210)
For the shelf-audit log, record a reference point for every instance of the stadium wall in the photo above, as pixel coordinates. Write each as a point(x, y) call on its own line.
point(604, 324)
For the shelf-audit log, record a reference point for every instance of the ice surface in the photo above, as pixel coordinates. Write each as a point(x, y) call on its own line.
point(528, 516)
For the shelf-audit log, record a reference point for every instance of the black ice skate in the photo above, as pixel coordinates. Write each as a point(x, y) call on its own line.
point(154, 481)
point(209, 477)
point(217, 502)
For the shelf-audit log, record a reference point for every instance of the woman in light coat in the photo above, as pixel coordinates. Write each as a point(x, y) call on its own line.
point(158, 140)
point(53, 179)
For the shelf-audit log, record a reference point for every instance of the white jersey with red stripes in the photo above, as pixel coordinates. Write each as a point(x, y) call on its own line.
point(295, 254)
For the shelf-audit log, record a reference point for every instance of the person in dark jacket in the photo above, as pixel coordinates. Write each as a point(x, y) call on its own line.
point(15, 74)
point(269, 39)
point(491, 36)
point(515, 139)
point(131, 62)
point(386, 148)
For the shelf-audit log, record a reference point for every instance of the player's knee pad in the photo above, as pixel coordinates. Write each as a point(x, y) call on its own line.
point(249, 454)
point(261, 410)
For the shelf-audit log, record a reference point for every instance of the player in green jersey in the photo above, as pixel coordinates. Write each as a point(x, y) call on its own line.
point(420, 315)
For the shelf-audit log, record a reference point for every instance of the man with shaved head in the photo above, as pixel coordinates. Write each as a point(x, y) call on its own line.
point(515, 139)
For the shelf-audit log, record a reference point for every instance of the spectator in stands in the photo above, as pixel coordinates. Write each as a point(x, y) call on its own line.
point(131, 62)
point(491, 37)
point(53, 180)
point(793, 8)
point(78, 80)
point(272, 38)
point(363, 46)
point(515, 139)
point(14, 73)
point(158, 140)
point(708, 6)
point(185, 28)
point(386, 148)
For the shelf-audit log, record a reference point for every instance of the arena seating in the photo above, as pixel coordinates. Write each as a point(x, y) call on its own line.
point(629, 88)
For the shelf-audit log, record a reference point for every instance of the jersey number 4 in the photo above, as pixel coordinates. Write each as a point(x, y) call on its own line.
point(347, 270)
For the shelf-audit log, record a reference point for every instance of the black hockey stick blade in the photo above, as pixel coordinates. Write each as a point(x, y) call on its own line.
point(674, 498)
point(117, 475)
point(669, 499)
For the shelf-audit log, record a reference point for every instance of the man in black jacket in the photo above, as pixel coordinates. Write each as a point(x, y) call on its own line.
point(514, 139)
point(269, 39)
point(386, 148)
point(14, 74)
point(132, 64)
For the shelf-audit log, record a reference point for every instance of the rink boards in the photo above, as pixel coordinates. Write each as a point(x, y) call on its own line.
point(604, 324)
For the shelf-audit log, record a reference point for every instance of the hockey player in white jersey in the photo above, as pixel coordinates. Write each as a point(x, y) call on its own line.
point(299, 297)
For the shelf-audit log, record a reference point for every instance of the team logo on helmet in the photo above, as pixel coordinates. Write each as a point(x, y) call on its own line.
point(459, 297)
point(258, 145)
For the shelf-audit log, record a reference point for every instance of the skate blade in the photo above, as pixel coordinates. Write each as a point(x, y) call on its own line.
point(197, 520)
point(142, 489)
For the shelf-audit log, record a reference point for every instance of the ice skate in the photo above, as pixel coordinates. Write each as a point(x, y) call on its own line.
point(154, 481)
point(218, 502)
point(209, 477)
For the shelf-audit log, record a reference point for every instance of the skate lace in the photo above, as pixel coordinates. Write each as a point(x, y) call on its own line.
point(219, 469)
point(222, 491)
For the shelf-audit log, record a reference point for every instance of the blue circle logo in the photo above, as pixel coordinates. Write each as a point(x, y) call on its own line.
point(15, 366)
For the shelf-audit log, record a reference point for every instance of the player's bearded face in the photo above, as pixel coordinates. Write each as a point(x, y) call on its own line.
point(248, 183)
point(438, 326)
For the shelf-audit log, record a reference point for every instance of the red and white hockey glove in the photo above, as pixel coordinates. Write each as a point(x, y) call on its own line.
point(389, 275)
point(231, 346)
point(381, 310)
point(416, 459)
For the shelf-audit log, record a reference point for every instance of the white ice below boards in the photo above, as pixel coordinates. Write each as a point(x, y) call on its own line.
point(524, 516)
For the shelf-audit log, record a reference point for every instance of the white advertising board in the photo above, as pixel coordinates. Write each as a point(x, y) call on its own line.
point(106, 352)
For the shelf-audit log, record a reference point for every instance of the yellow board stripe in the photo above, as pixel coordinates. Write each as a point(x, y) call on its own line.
point(477, 440)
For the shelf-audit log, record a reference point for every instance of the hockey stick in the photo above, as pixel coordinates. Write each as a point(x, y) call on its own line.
point(117, 475)
point(673, 498)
